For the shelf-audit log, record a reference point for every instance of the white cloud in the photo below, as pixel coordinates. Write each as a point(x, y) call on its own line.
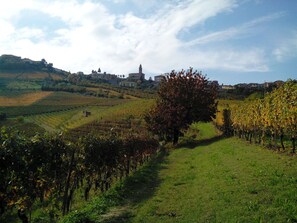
point(10, 9)
point(6, 30)
point(28, 33)
point(234, 32)
point(287, 49)
point(119, 43)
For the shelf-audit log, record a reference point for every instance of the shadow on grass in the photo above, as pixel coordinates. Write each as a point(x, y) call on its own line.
point(135, 189)
point(202, 142)
point(140, 186)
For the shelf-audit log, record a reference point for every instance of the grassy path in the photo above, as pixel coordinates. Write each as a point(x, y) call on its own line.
point(219, 180)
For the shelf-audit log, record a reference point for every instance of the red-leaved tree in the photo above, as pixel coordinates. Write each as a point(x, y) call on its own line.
point(183, 98)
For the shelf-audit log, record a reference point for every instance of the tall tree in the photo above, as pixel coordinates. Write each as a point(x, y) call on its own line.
point(184, 97)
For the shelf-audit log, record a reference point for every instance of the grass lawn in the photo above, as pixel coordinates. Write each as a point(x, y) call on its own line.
point(219, 180)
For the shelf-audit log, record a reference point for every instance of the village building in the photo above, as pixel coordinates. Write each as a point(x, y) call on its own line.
point(227, 87)
point(137, 76)
point(110, 78)
point(159, 78)
point(130, 84)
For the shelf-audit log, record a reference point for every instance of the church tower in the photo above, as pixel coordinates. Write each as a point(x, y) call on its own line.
point(140, 69)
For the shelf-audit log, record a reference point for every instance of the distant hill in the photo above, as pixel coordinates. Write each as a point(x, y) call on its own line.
point(10, 64)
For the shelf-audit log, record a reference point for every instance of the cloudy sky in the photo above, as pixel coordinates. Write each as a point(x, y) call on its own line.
point(230, 41)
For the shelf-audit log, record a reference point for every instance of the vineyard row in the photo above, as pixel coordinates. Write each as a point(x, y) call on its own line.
point(266, 120)
point(49, 169)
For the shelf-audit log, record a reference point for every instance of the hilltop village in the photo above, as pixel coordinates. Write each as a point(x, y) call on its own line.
point(17, 64)
point(137, 79)
point(133, 79)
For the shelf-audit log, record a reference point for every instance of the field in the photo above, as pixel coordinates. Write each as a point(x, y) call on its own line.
point(24, 99)
point(217, 180)
point(74, 118)
point(56, 101)
point(9, 75)
point(63, 111)
point(23, 85)
point(29, 75)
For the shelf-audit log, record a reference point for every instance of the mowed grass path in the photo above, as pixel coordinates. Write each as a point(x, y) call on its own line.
point(219, 180)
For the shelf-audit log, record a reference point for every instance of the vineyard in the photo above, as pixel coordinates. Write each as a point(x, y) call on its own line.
point(53, 102)
point(222, 105)
point(89, 142)
point(56, 121)
point(48, 170)
point(29, 75)
point(73, 118)
point(270, 120)
point(23, 100)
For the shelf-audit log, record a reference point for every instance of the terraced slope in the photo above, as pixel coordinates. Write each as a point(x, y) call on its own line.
point(73, 118)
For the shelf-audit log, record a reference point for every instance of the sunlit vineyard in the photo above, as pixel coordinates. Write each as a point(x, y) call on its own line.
point(23, 100)
point(225, 104)
point(269, 120)
point(53, 102)
point(55, 121)
point(74, 118)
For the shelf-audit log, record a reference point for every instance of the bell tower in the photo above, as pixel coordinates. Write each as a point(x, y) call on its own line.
point(140, 69)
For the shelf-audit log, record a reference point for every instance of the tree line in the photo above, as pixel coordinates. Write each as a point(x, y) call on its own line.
point(270, 119)
point(48, 169)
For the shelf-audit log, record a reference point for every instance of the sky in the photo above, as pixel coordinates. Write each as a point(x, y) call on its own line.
point(231, 41)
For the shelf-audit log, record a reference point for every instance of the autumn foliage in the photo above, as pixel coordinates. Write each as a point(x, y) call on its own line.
point(183, 97)
point(269, 119)
point(50, 170)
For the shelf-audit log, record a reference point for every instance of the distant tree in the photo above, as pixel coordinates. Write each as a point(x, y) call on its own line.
point(99, 70)
point(50, 66)
point(183, 98)
point(43, 62)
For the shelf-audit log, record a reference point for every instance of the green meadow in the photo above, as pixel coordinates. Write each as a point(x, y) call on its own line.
point(215, 179)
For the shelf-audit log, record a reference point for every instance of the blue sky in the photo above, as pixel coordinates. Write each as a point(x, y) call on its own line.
point(229, 41)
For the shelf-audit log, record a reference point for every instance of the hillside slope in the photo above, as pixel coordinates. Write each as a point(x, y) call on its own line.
point(218, 180)
point(16, 64)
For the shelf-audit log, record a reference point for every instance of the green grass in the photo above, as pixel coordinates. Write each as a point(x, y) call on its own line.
point(224, 180)
point(219, 180)
point(205, 130)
